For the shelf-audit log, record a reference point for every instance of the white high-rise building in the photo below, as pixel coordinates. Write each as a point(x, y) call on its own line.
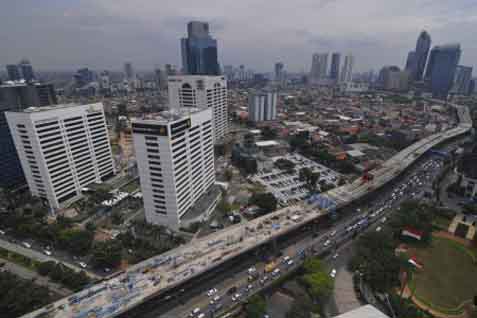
point(175, 156)
point(62, 149)
point(347, 70)
point(262, 106)
point(202, 91)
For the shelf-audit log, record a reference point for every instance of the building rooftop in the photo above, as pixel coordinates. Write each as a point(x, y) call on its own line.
point(171, 115)
point(367, 311)
point(51, 107)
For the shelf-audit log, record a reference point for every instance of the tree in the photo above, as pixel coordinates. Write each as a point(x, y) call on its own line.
point(285, 164)
point(256, 307)
point(100, 195)
point(317, 280)
point(301, 308)
point(414, 215)
point(310, 178)
point(265, 201)
point(269, 133)
point(374, 258)
point(76, 241)
point(106, 254)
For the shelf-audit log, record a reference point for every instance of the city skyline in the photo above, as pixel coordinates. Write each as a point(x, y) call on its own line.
point(147, 34)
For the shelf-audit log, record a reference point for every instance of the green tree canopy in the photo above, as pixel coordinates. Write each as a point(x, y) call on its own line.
point(107, 254)
point(310, 178)
point(265, 201)
point(256, 307)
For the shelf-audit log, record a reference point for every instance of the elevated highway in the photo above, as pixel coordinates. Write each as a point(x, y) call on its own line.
point(159, 274)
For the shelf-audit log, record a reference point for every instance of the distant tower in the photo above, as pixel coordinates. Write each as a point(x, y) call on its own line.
point(441, 68)
point(411, 64)
point(335, 66)
point(128, 71)
point(199, 50)
point(27, 70)
point(422, 51)
point(279, 71)
point(347, 70)
point(319, 66)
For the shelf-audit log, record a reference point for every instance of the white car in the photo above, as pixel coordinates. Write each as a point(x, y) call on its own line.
point(290, 262)
point(333, 273)
point(212, 292)
point(333, 233)
point(47, 252)
point(26, 244)
point(378, 229)
point(335, 256)
point(83, 264)
point(2, 232)
point(383, 220)
point(327, 243)
point(236, 297)
point(195, 312)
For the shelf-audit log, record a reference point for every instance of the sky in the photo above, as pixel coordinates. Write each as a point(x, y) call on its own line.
point(103, 34)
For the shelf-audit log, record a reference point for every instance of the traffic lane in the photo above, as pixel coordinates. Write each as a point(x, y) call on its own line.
point(339, 230)
point(41, 257)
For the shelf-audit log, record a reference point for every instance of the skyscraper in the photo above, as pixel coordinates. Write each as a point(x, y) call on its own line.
point(199, 50)
point(262, 106)
point(27, 70)
point(347, 69)
point(411, 64)
point(462, 78)
point(279, 66)
point(62, 149)
point(15, 97)
point(13, 72)
point(128, 71)
point(175, 156)
point(441, 68)
point(335, 66)
point(422, 51)
point(319, 66)
point(196, 91)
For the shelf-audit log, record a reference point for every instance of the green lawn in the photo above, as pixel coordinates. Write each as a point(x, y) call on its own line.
point(449, 275)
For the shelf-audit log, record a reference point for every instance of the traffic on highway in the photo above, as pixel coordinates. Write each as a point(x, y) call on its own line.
point(157, 275)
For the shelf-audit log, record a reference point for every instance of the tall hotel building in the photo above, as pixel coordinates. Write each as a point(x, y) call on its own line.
point(200, 91)
point(61, 149)
point(175, 156)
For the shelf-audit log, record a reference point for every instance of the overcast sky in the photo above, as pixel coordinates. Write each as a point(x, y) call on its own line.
point(103, 34)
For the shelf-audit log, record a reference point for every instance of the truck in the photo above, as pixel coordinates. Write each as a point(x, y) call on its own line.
point(269, 267)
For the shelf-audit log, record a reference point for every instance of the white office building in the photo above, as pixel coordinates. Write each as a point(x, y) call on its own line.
point(175, 156)
point(262, 106)
point(62, 149)
point(200, 91)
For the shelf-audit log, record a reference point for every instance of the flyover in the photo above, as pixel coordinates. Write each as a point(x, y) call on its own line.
point(159, 274)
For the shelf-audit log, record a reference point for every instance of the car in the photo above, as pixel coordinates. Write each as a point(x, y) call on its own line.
point(47, 252)
point(83, 264)
point(195, 312)
point(290, 262)
point(251, 270)
point(378, 229)
point(335, 256)
point(202, 315)
point(333, 273)
point(26, 244)
point(333, 233)
point(236, 297)
point(2, 232)
point(286, 259)
point(107, 270)
point(249, 288)
point(276, 272)
point(383, 220)
point(327, 243)
point(212, 292)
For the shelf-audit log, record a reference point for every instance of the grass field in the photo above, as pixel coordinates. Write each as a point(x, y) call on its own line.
point(449, 275)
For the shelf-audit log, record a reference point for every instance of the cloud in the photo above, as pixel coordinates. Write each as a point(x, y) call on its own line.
point(257, 33)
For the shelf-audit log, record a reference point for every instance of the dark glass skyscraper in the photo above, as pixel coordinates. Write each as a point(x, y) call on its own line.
point(199, 50)
point(27, 70)
point(17, 97)
point(422, 51)
point(441, 68)
point(411, 63)
point(13, 72)
point(335, 66)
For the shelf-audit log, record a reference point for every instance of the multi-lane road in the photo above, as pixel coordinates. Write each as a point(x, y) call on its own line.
point(176, 267)
point(373, 216)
